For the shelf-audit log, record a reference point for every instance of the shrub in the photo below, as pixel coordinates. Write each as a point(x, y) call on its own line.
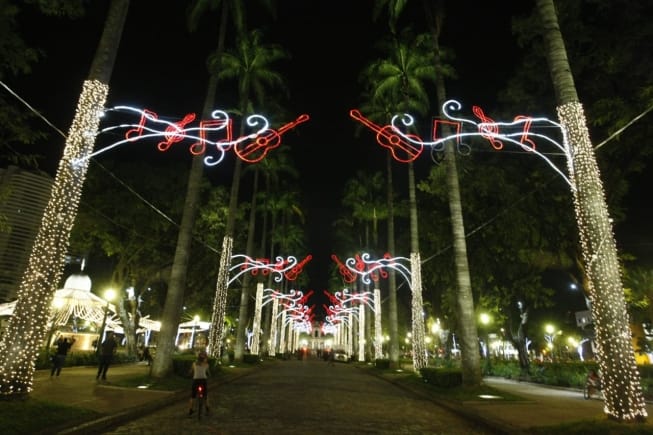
point(442, 377)
point(382, 363)
point(249, 358)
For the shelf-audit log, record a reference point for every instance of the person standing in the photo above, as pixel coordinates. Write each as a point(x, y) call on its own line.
point(107, 350)
point(63, 346)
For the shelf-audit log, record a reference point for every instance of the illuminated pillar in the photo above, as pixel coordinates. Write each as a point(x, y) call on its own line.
point(257, 318)
point(378, 333)
point(350, 333)
point(361, 332)
point(282, 333)
point(272, 349)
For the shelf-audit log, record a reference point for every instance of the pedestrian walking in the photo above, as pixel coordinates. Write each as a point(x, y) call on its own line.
point(58, 360)
point(107, 350)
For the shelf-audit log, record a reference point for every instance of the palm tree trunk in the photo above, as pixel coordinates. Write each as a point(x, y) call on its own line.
point(417, 308)
point(471, 360)
point(243, 312)
point(172, 308)
point(624, 400)
point(392, 278)
point(26, 331)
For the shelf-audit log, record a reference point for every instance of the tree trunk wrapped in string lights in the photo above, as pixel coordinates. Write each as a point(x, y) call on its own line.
point(624, 400)
point(26, 331)
point(220, 301)
point(620, 377)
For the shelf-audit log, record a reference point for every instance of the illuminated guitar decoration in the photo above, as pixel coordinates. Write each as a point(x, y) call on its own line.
point(256, 150)
point(215, 133)
point(402, 150)
point(347, 274)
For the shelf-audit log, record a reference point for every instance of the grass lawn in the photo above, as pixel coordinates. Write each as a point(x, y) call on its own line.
point(460, 394)
point(32, 416)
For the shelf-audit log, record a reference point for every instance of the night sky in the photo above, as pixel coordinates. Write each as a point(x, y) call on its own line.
point(161, 67)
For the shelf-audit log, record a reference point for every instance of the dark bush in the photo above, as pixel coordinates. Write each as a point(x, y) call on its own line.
point(249, 358)
point(442, 377)
point(382, 363)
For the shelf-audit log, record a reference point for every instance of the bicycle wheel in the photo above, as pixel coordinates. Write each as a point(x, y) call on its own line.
point(200, 406)
point(586, 392)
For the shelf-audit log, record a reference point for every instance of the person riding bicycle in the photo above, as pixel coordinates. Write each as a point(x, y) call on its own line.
point(593, 381)
point(200, 372)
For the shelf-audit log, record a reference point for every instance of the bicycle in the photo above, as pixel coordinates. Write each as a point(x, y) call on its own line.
point(592, 384)
point(200, 400)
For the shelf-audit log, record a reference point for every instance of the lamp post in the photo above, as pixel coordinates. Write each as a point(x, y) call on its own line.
point(109, 294)
point(485, 321)
point(550, 336)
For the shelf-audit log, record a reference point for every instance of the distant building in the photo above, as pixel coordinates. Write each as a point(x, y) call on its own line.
point(23, 198)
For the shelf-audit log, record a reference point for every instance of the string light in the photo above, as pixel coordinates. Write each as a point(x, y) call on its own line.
point(220, 300)
point(620, 378)
point(26, 331)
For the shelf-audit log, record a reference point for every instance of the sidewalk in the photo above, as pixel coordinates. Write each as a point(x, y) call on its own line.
point(541, 406)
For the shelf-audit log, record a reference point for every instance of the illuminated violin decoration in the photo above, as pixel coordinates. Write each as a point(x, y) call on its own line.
point(402, 150)
point(521, 132)
point(269, 139)
point(214, 135)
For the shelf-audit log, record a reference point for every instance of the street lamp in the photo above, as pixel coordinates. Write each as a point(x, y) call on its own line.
point(109, 294)
point(550, 336)
point(485, 320)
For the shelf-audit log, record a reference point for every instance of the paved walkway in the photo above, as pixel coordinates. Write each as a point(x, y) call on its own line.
point(542, 406)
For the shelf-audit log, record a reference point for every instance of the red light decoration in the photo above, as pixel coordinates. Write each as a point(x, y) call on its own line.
point(250, 148)
point(256, 150)
point(347, 275)
point(175, 133)
point(402, 150)
point(406, 147)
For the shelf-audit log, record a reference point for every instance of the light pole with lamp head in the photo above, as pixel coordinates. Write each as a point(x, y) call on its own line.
point(109, 294)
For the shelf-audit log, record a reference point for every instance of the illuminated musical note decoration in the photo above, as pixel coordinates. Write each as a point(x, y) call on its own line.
point(522, 132)
point(214, 135)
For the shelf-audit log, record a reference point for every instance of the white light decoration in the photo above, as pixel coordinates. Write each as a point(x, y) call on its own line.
point(378, 333)
point(256, 328)
point(420, 359)
point(624, 399)
point(214, 133)
point(519, 132)
point(26, 330)
point(220, 300)
point(364, 267)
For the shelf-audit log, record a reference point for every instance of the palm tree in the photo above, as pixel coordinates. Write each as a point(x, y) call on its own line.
point(624, 400)
point(21, 340)
point(379, 111)
point(400, 79)
point(250, 66)
point(467, 332)
point(172, 309)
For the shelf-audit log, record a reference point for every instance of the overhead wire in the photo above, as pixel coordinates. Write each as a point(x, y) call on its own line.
point(118, 180)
